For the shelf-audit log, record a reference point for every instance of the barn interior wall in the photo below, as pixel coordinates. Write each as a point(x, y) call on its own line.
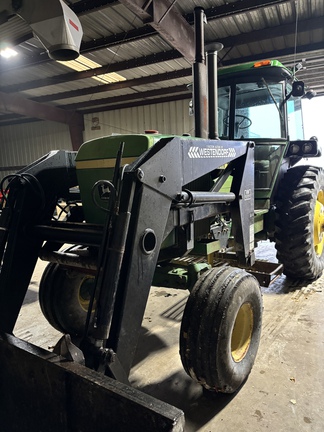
point(167, 118)
point(24, 143)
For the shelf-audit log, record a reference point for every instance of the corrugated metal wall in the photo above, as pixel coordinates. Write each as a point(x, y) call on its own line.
point(23, 144)
point(167, 118)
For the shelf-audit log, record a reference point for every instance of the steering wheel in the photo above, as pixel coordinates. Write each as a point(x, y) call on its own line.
point(239, 123)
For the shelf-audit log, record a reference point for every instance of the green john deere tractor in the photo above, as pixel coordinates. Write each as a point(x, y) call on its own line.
point(176, 211)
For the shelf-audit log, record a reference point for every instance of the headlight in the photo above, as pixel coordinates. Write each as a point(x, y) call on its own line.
point(294, 149)
point(303, 148)
point(307, 148)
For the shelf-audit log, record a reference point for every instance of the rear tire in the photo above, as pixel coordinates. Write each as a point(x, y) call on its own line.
point(300, 222)
point(64, 296)
point(221, 328)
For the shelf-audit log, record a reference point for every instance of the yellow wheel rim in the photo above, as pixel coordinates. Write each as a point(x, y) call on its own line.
point(242, 332)
point(85, 292)
point(319, 224)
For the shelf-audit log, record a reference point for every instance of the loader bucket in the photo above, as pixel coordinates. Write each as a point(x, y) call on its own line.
point(44, 391)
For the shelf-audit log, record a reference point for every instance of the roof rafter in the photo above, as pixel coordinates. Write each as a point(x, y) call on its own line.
point(235, 8)
point(110, 67)
point(116, 86)
point(168, 22)
point(138, 103)
point(300, 50)
point(16, 104)
point(314, 23)
point(273, 32)
point(130, 97)
point(84, 6)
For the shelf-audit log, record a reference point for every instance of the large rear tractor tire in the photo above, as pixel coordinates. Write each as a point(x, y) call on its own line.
point(299, 233)
point(64, 297)
point(221, 328)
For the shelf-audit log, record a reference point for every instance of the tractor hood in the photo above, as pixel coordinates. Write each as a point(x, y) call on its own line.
point(55, 25)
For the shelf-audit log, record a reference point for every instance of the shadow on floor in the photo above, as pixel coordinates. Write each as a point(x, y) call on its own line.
point(199, 405)
point(31, 295)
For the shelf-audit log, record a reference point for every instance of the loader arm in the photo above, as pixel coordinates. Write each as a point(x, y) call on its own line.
point(31, 200)
point(153, 202)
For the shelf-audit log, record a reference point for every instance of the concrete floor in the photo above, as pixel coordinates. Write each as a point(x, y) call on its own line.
point(285, 391)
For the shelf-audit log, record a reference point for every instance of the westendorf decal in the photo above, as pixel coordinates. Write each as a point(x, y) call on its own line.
point(211, 152)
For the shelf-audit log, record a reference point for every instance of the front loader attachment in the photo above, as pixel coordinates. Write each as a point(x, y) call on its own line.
point(149, 201)
point(42, 391)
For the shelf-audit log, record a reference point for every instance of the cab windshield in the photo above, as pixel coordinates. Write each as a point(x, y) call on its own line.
point(258, 113)
point(295, 119)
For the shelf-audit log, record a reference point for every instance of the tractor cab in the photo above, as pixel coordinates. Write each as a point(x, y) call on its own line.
point(261, 102)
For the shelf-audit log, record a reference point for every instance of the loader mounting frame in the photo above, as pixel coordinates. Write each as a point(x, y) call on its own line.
point(151, 201)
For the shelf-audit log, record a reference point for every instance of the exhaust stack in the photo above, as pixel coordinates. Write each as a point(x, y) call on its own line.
point(205, 110)
point(212, 50)
point(199, 76)
point(55, 24)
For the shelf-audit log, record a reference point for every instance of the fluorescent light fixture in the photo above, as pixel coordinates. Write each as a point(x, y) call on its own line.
point(8, 53)
point(82, 63)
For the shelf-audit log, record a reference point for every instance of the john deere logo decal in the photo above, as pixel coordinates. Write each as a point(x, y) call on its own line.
point(211, 152)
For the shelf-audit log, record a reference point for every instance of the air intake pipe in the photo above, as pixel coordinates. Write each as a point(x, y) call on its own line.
point(212, 50)
point(54, 23)
point(199, 76)
point(205, 109)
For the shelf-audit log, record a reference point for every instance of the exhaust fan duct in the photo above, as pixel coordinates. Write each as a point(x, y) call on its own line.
point(54, 23)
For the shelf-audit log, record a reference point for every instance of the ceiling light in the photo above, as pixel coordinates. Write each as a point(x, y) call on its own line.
point(90, 63)
point(8, 53)
point(75, 65)
point(83, 63)
point(109, 78)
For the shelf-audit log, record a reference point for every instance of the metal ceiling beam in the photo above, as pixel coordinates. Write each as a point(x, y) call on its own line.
point(138, 103)
point(165, 56)
point(102, 43)
point(18, 40)
point(235, 8)
point(17, 120)
point(19, 62)
point(116, 86)
point(311, 74)
point(169, 98)
point(85, 6)
point(26, 107)
point(167, 21)
point(315, 23)
point(129, 97)
point(117, 39)
point(273, 32)
point(97, 44)
point(229, 9)
point(93, 45)
point(6, 117)
point(11, 121)
point(301, 51)
point(108, 68)
point(319, 89)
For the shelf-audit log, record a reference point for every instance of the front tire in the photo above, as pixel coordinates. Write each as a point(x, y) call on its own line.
point(64, 297)
point(221, 328)
point(299, 233)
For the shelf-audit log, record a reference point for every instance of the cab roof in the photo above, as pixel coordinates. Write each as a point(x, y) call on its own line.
point(269, 66)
